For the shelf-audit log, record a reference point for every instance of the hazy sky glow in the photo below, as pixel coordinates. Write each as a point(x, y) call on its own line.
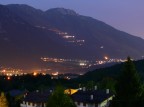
point(125, 15)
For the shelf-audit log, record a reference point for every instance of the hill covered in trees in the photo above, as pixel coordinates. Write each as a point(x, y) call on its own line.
point(111, 72)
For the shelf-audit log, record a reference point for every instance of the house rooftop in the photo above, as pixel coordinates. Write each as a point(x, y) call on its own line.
point(37, 97)
point(91, 96)
point(16, 92)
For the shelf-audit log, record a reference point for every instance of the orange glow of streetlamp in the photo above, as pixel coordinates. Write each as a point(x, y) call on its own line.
point(34, 74)
point(106, 58)
point(8, 78)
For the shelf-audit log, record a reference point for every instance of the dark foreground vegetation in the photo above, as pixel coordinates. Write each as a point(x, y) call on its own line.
point(123, 79)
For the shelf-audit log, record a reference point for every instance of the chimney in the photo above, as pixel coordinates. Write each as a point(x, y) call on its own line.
point(107, 91)
point(25, 95)
point(50, 91)
point(95, 87)
point(91, 97)
point(84, 88)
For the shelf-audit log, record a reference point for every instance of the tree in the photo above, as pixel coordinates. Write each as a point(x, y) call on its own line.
point(59, 99)
point(108, 83)
point(129, 86)
point(3, 100)
point(90, 85)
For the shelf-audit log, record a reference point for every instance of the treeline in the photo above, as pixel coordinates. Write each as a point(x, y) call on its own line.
point(111, 72)
point(123, 79)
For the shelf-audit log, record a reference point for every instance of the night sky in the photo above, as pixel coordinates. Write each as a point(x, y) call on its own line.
point(125, 15)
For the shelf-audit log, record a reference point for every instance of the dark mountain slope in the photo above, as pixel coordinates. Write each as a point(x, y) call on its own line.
point(23, 44)
point(111, 72)
point(31, 15)
point(26, 34)
point(97, 33)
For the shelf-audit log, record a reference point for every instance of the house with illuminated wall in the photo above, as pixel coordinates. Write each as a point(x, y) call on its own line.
point(81, 97)
point(92, 98)
point(36, 99)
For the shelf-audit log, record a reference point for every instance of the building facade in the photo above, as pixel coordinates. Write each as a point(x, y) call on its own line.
point(82, 98)
point(36, 99)
point(92, 98)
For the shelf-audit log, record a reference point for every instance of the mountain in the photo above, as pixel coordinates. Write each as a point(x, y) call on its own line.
point(97, 34)
point(27, 34)
point(111, 72)
point(22, 44)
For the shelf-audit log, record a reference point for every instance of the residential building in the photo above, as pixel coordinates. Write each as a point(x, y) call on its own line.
point(35, 99)
point(82, 98)
point(92, 98)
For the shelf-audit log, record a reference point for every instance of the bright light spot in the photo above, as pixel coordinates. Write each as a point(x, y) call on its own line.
point(43, 73)
point(34, 74)
point(3, 70)
point(100, 62)
point(106, 58)
point(82, 64)
point(70, 91)
point(56, 73)
point(68, 36)
point(101, 47)
point(8, 78)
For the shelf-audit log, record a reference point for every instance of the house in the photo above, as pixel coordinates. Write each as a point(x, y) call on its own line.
point(15, 96)
point(92, 98)
point(39, 99)
point(36, 99)
point(17, 93)
point(82, 98)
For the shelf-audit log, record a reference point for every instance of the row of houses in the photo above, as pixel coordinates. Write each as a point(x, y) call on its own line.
point(81, 97)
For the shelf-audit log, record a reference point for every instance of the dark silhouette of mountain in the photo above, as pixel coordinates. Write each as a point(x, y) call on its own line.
point(111, 72)
point(22, 44)
point(26, 34)
point(31, 15)
point(97, 34)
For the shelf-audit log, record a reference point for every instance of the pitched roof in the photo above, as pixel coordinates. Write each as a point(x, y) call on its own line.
point(85, 96)
point(37, 97)
point(16, 92)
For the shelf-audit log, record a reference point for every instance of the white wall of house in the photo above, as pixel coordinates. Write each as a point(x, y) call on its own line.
point(81, 104)
point(105, 103)
point(90, 105)
point(28, 104)
point(102, 104)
